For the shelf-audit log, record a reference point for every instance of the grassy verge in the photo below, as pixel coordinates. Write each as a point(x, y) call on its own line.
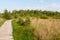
point(22, 33)
point(1, 22)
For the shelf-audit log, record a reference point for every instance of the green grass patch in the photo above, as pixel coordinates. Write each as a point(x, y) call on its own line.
point(1, 23)
point(22, 33)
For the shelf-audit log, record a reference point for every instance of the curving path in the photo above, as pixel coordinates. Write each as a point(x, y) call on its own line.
point(6, 31)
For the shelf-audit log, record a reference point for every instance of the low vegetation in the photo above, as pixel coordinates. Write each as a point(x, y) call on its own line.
point(1, 21)
point(34, 24)
point(22, 31)
point(46, 29)
point(30, 13)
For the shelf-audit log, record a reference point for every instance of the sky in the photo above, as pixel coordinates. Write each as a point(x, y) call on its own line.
point(52, 5)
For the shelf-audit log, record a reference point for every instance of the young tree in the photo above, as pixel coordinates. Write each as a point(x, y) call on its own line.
point(6, 14)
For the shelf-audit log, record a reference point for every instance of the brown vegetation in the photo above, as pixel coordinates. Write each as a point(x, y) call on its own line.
point(46, 29)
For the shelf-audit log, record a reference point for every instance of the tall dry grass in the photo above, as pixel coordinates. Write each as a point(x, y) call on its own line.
point(46, 29)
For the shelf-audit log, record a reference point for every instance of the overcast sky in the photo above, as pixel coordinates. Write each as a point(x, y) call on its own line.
point(53, 5)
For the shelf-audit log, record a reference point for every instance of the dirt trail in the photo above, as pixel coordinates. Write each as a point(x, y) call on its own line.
point(6, 31)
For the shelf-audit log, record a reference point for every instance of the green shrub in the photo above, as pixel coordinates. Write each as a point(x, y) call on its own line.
point(22, 33)
point(27, 22)
point(23, 22)
point(44, 17)
point(20, 22)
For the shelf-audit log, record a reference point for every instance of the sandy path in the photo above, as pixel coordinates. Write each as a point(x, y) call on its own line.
point(6, 31)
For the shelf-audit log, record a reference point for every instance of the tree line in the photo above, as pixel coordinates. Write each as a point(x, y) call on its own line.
point(30, 13)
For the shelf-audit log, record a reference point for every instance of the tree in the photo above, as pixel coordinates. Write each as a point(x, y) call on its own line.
point(14, 12)
point(6, 14)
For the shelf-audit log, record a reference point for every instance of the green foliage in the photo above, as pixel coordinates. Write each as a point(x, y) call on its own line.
point(20, 22)
point(1, 16)
point(1, 23)
point(37, 13)
point(6, 14)
point(22, 33)
point(27, 22)
point(44, 17)
point(23, 22)
point(31, 13)
point(14, 13)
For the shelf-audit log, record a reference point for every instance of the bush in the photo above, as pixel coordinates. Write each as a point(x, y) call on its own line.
point(22, 33)
point(44, 17)
point(20, 22)
point(23, 22)
point(27, 22)
point(7, 15)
